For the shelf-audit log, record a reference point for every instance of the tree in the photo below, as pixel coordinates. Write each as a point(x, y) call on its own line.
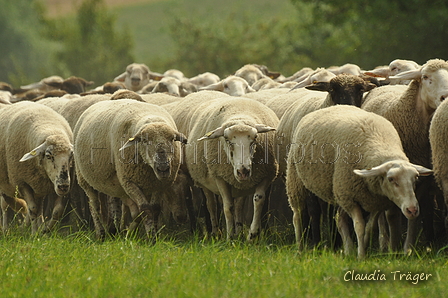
point(372, 33)
point(90, 47)
point(22, 51)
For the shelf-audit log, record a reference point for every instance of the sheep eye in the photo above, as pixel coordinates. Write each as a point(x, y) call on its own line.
point(425, 77)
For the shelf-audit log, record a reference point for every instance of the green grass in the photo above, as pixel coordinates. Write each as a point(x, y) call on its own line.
point(78, 266)
point(149, 22)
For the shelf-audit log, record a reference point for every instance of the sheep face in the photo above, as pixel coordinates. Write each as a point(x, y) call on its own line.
point(137, 76)
point(433, 78)
point(250, 73)
point(158, 148)
point(55, 158)
point(434, 88)
point(239, 146)
point(169, 85)
point(398, 183)
point(344, 89)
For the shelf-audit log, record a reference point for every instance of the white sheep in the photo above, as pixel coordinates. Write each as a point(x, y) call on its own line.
point(174, 86)
point(352, 158)
point(395, 67)
point(347, 68)
point(136, 76)
point(251, 73)
point(232, 85)
point(438, 137)
point(129, 150)
point(234, 157)
point(35, 156)
point(410, 109)
point(265, 95)
point(204, 79)
point(318, 75)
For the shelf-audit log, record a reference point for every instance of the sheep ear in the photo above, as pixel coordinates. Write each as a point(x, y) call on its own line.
point(368, 86)
point(180, 137)
point(319, 86)
point(382, 72)
point(131, 142)
point(379, 170)
point(217, 87)
point(219, 132)
point(35, 152)
point(261, 128)
point(408, 75)
point(121, 77)
point(422, 171)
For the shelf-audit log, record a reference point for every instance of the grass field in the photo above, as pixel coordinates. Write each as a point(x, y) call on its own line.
point(78, 266)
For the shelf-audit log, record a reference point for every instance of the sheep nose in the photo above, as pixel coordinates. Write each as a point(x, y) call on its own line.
point(443, 97)
point(412, 212)
point(243, 174)
point(63, 188)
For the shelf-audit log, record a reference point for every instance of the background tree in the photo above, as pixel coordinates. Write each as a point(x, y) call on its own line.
point(372, 33)
point(91, 47)
point(23, 55)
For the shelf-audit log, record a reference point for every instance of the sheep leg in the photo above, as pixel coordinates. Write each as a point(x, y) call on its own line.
point(258, 199)
point(393, 217)
point(35, 207)
point(344, 230)
point(360, 227)
point(228, 206)
point(148, 211)
point(239, 214)
point(212, 210)
point(371, 223)
point(114, 208)
point(58, 211)
point(383, 233)
point(94, 206)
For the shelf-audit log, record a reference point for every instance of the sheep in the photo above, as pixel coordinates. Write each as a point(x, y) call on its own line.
point(174, 86)
point(44, 85)
point(137, 160)
point(232, 85)
point(56, 103)
point(175, 73)
point(438, 132)
point(301, 72)
point(160, 98)
point(251, 73)
point(319, 75)
point(410, 109)
point(347, 68)
point(230, 126)
point(395, 67)
point(11, 207)
point(204, 79)
point(265, 95)
point(5, 97)
point(35, 155)
point(342, 89)
point(136, 76)
point(352, 158)
point(265, 83)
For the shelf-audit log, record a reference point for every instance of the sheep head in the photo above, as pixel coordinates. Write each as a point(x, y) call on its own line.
point(344, 89)
point(433, 80)
point(157, 145)
point(398, 183)
point(55, 156)
point(136, 76)
point(239, 146)
point(232, 85)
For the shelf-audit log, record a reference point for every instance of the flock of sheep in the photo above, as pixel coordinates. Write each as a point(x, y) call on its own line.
point(151, 147)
